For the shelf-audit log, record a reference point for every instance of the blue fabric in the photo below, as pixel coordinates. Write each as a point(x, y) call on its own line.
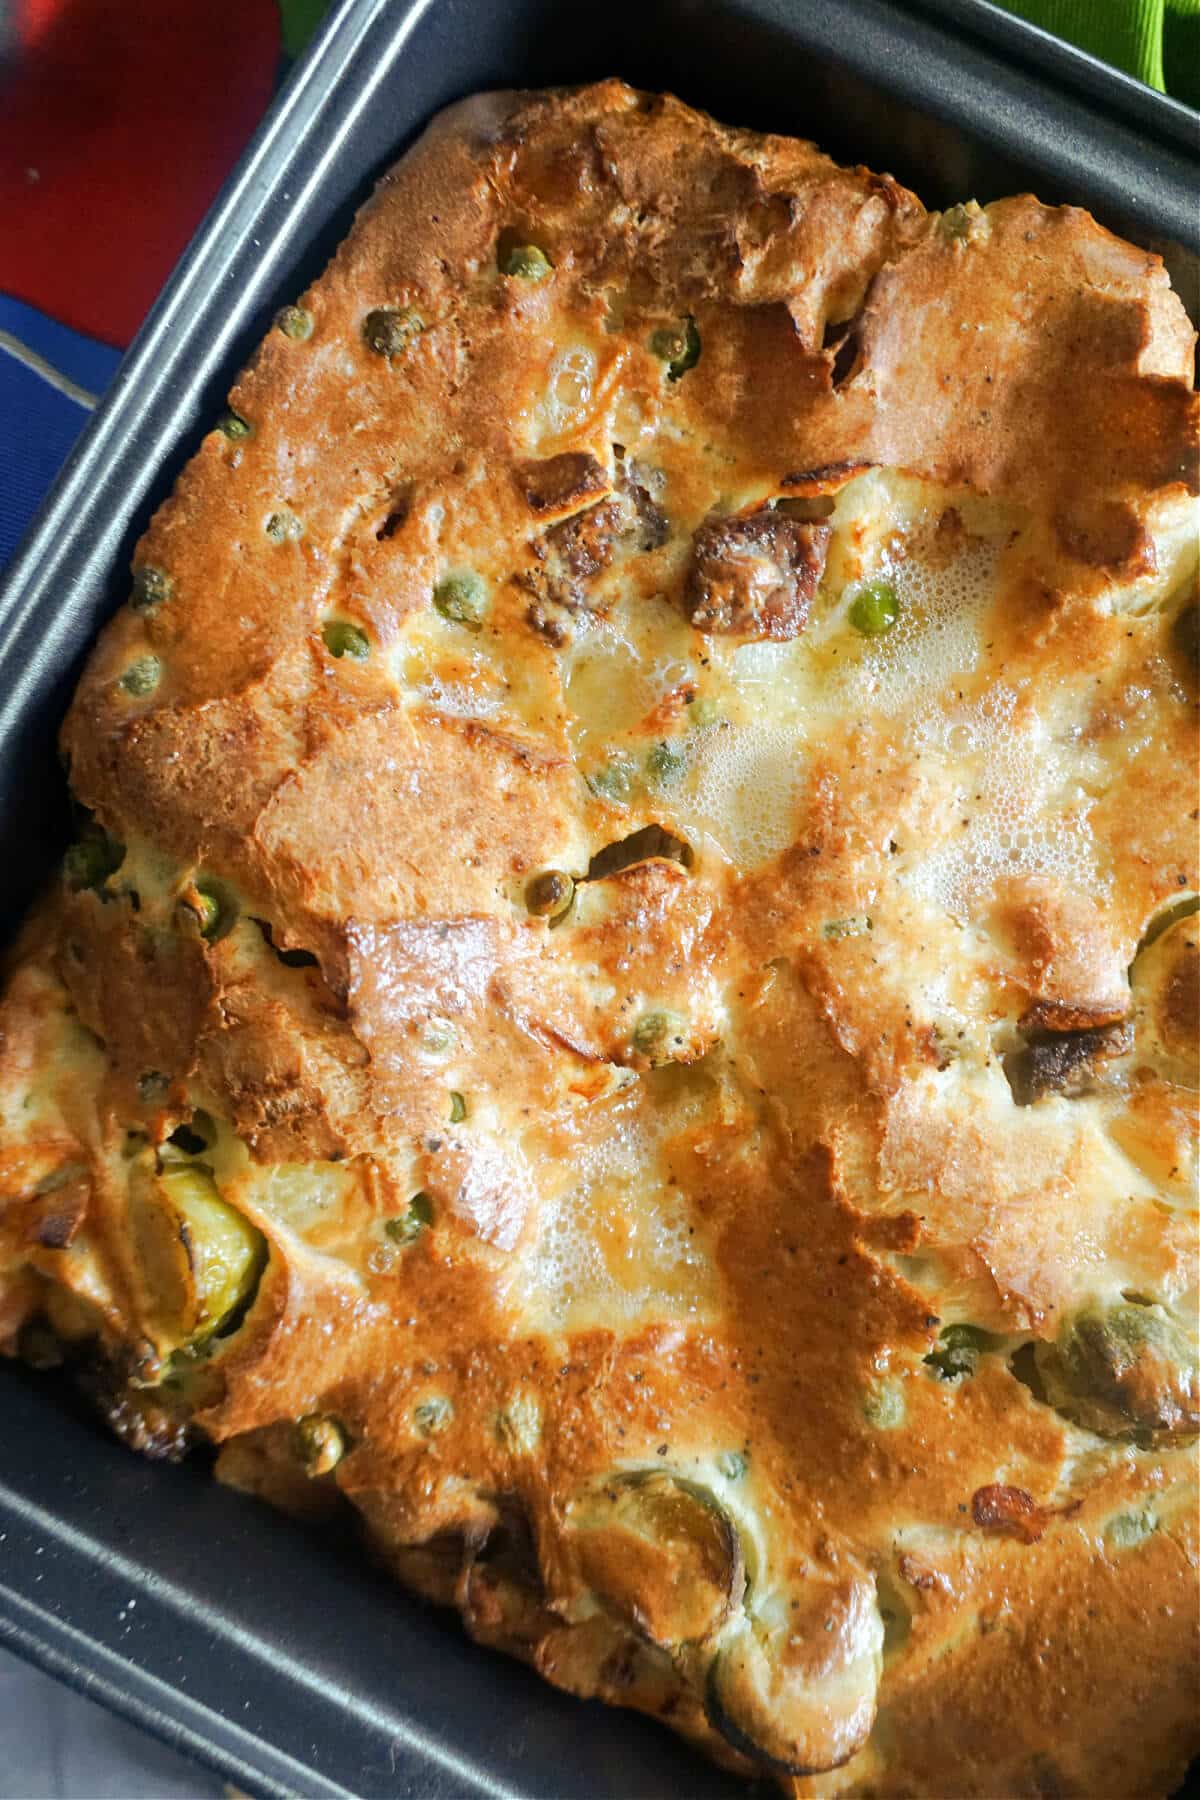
point(38, 422)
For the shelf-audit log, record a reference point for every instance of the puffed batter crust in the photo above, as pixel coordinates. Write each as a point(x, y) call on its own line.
point(624, 1015)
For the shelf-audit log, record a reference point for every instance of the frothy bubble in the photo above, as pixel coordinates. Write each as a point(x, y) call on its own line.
point(937, 634)
point(743, 790)
point(1020, 820)
point(617, 1243)
point(570, 380)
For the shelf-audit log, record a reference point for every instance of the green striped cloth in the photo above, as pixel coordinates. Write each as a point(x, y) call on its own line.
point(1156, 40)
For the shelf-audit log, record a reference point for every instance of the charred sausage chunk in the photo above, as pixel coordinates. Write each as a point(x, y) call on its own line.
point(560, 484)
point(755, 577)
point(1063, 1062)
point(1010, 1510)
point(576, 549)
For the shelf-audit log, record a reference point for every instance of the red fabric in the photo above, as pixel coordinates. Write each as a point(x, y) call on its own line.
point(119, 120)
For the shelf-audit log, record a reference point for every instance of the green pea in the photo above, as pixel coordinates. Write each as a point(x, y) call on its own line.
point(437, 1037)
point(90, 862)
point(389, 331)
point(657, 1034)
point(417, 1215)
point(214, 910)
point(1128, 1530)
point(432, 1415)
point(527, 262)
point(959, 1348)
point(855, 925)
point(702, 712)
point(234, 426)
point(462, 598)
point(875, 608)
point(666, 765)
point(613, 780)
point(283, 527)
point(343, 639)
point(732, 1465)
point(883, 1405)
point(320, 1443)
point(294, 323)
point(141, 677)
point(151, 587)
point(958, 224)
point(458, 1108)
point(678, 346)
point(207, 911)
point(549, 894)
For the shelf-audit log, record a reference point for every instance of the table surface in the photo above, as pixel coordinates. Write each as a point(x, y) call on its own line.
point(59, 1746)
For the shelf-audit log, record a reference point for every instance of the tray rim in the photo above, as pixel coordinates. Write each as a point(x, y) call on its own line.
point(159, 370)
point(1125, 94)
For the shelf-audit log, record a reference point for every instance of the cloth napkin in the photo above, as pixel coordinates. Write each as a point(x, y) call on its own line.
point(1156, 40)
point(119, 119)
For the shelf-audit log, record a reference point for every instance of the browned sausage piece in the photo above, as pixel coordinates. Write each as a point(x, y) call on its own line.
point(1071, 1015)
point(562, 484)
point(755, 577)
point(1064, 1062)
point(1010, 1510)
point(577, 548)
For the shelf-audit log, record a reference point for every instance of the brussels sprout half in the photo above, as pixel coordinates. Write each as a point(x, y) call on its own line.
point(662, 1552)
point(550, 894)
point(795, 1702)
point(199, 1258)
point(1165, 979)
point(1127, 1371)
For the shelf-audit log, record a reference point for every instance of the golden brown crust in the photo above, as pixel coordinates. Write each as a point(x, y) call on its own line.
point(710, 1067)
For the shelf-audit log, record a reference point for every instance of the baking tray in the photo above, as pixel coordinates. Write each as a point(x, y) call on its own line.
point(278, 1656)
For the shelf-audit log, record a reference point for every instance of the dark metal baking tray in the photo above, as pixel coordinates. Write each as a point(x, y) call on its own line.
point(279, 1657)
